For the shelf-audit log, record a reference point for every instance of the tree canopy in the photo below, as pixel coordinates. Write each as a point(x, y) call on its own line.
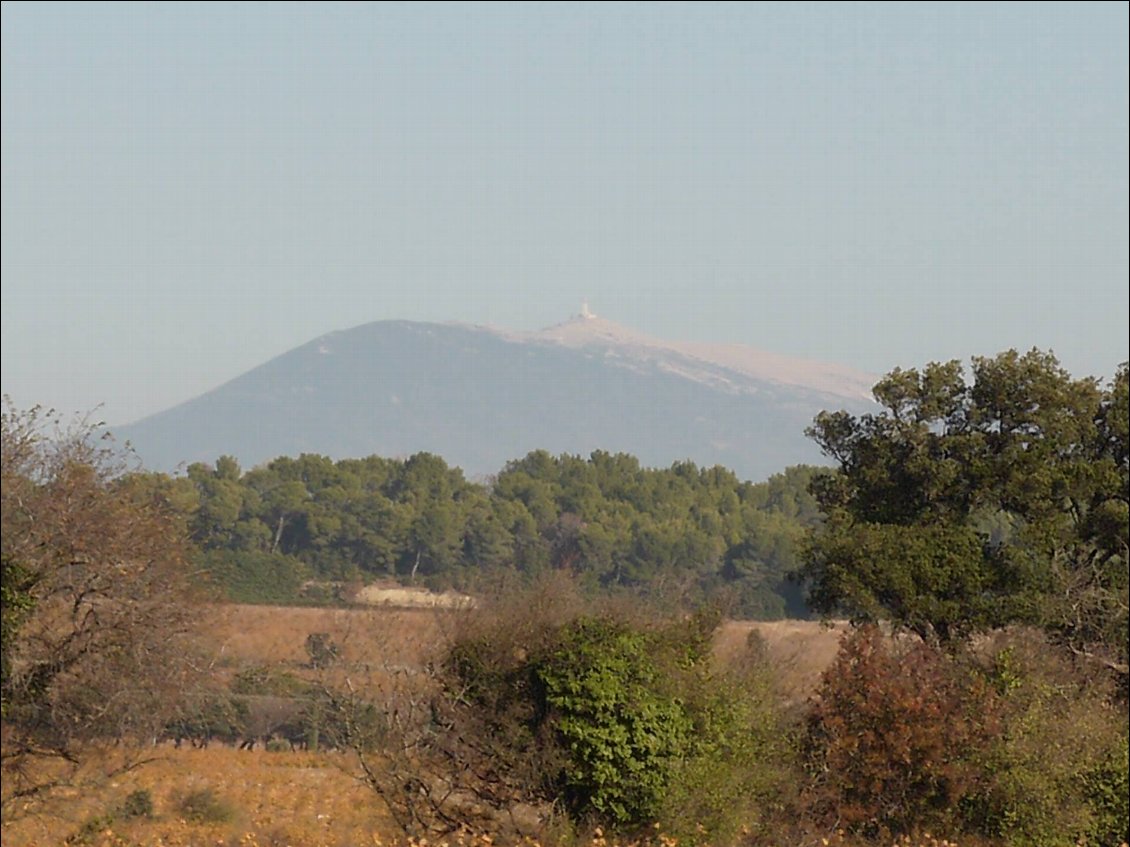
point(265, 533)
point(968, 504)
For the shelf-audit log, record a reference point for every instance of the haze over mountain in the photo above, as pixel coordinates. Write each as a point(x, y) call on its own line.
point(479, 397)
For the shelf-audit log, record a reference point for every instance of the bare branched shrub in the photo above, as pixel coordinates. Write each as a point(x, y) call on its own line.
point(437, 762)
point(98, 631)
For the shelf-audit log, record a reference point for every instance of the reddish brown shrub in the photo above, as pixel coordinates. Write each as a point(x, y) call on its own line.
point(892, 736)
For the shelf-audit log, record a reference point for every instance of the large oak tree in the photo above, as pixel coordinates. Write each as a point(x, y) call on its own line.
point(972, 503)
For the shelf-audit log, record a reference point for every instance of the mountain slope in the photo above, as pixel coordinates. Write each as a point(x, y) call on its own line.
point(728, 366)
point(479, 397)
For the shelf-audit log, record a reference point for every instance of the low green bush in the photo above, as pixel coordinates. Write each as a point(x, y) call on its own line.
point(269, 681)
point(740, 761)
point(1107, 788)
point(90, 830)
point(623, 732)
point(249, 576)
point(1056, 770)
point(618, 717)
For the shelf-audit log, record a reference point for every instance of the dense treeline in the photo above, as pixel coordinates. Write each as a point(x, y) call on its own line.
point(278, 532)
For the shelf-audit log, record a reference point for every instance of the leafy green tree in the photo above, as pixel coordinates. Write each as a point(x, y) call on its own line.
point(224, 506)
point(1023, 449)
point(283, 505)
point(16, 603)
point(486, 542)
point(606, 518)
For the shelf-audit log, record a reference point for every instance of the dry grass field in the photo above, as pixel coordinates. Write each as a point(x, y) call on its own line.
point(305, 799)
point(274, 634)
point(798, 651)
point(257, 798)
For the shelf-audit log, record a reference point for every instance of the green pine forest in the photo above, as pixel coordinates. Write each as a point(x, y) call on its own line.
point(307, 529)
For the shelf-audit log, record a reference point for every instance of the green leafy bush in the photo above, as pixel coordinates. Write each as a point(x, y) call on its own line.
point(623, 732)
point(90, 830)
point(740, 761)
point(617, 717)
point(207, 715)
point(1055, 772)
point(1107, 787)
point(266, 680)
point(251, 576)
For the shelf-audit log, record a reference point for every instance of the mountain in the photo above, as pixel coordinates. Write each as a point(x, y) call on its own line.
point(479, 397)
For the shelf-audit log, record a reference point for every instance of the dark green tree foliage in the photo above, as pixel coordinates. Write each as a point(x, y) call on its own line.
point(266, 533)
point(16, 602)
point(253, 576)
point(963, 506)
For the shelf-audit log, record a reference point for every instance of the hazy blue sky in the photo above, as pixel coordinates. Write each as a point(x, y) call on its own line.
point(189, 190)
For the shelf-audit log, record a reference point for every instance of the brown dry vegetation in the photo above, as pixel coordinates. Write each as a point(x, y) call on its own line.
point(268, 797)
point(274, 634)
point(273, 798)
point(799, 650)
point(307, 799)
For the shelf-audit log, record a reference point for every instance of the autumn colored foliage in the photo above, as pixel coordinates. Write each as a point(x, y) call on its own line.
point(893, 732)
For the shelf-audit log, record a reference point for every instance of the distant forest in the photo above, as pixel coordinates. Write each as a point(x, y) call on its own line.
point(306, 530)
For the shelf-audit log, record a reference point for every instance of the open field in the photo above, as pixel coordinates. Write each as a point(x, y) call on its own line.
point(799, 651)
point(260, 798)
point(306, 799)
point(275, 634)
point(412, 598)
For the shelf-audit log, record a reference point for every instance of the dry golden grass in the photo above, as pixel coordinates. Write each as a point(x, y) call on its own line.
point(301, 799)
point(276, 634)
point(798, 651)
point(311, 799)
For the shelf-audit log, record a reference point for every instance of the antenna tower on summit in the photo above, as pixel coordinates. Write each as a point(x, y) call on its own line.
point(585, 313)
